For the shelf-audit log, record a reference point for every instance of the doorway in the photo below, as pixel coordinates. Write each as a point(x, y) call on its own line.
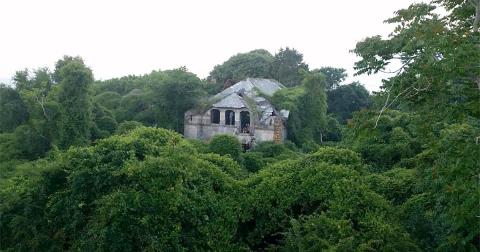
point(245, 121)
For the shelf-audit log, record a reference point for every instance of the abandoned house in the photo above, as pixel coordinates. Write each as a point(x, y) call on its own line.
point(240, 110)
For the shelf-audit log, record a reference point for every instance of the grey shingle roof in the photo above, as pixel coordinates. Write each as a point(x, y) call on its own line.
point(253, 88)
point(231, 101)
point(266, 86)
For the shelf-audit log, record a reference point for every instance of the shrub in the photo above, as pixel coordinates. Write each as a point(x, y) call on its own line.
point(226, 145)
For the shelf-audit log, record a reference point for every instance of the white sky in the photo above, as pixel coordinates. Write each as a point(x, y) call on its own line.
point(118, 38)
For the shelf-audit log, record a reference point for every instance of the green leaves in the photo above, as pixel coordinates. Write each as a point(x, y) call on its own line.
point(287, 65)
point(150, 189)
point(74, 97)
point(13, 111)
point(319, 202)
point(254, 64)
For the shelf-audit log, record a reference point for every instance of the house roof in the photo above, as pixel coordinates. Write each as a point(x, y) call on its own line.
point(252, 89)
point(249, 94)
point(265, 86)
point(231, 101)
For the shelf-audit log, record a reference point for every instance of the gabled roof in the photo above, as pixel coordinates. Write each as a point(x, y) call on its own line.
point(231, 101)
point(265, 86)
point(251, 89)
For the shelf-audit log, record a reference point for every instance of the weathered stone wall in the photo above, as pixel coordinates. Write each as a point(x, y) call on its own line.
point(199, 126)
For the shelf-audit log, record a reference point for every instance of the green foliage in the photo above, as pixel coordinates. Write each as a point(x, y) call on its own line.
point(449, 171)
point(157, 99)
point(226, 145)
point(253, 161)
point(392, 143)
point(267, 153)
point(308, 106)
point(136, 106)
point(333, 130)
point(8, 150)
point(254, 64)
point(144, 190)
point(417, 218)
point(13, 111)
point(286, 66)
point(226, 164)
point(396, 185)
point(333, 76)
point(104, 122)
point(346, 99)
point(75, 100)
point(108, 99)
point(29, 143)
point(291, 189)
point(439, 57)
point(178, 92)
point(289, 99)
point(314, 108)
point(150, 189)
point(127, 126)
point(319, 232)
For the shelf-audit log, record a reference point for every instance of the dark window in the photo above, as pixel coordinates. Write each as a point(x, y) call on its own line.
point(245, 121)
point(215, 116)
point(229, 117)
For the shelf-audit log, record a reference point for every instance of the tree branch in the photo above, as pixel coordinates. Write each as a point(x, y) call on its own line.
point(42, 106)
point(476, 21)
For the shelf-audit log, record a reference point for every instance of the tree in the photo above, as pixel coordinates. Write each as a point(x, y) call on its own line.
point(394, 142)
point(104, 123)
point(177, 92)
point(13, 111)
point(438, 57)
point(226, 145)
point(308, 108)
point(333, 76)
point(127, 126)
point(314, 107)
point(286, 201)
point(290, 99)
point(147, 189)
point(449, 171)
point(30, 143)
point(57, 75)
point(286, 67)
point(346, 99)
point(254, 64)
point(74, 97)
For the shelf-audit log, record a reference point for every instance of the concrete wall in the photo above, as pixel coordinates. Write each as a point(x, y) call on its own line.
point(198, 126)
point(263, 135)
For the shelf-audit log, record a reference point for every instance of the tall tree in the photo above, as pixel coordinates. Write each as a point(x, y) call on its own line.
point(286, 67)
point(346, 99)
point(177, 91)
point(333, 76)
point(57, 76)
point(314, 107)
point(74, 97)
point(438, 58)
point(254, 64)
point(13, 111)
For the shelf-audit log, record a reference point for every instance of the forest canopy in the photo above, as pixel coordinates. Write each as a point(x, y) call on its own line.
point(101, 165)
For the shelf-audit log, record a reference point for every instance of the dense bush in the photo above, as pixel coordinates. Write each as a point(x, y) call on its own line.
point(226, 145)
point(327, 184)
point(150, 189)
point(390, 142)
point(145, 190)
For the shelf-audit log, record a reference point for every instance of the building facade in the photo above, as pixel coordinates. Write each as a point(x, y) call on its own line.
point(242, 111)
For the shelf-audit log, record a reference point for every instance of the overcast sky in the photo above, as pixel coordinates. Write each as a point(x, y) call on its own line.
point(118, 38)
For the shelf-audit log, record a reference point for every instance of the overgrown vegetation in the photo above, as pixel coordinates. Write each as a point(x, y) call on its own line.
point(101, 165)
